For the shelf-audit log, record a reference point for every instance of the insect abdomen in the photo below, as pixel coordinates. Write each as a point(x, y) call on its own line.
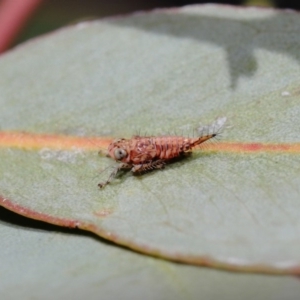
point(170, 147)
point(147, 149)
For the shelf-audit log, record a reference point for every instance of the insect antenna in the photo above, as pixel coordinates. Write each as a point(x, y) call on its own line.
point(93, 141)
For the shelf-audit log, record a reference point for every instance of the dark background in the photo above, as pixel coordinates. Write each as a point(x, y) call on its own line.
point(53, 14)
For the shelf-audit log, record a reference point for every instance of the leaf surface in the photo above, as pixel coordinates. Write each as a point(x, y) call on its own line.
point(39, 262)
point(232, 205)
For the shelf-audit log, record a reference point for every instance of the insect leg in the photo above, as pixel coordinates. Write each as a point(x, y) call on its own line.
point(158, 164)
point(113, 174)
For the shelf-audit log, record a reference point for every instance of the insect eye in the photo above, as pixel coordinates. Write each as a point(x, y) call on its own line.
point(120, 153)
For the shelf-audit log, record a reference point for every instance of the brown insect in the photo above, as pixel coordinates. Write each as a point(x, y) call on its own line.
point(145, 153)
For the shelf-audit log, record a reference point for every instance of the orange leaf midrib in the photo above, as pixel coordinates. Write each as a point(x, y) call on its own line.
point(30, 141)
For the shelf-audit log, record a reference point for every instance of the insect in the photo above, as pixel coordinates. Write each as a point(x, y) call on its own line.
point(145, 153)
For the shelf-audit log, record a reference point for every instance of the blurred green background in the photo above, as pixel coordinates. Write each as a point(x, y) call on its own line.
point(53, 14)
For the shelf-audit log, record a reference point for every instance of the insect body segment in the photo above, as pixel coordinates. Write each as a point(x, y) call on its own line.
point(141, 154)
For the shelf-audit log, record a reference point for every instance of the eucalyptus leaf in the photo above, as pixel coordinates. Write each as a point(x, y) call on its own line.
point(42, 262)
point(157, 73)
